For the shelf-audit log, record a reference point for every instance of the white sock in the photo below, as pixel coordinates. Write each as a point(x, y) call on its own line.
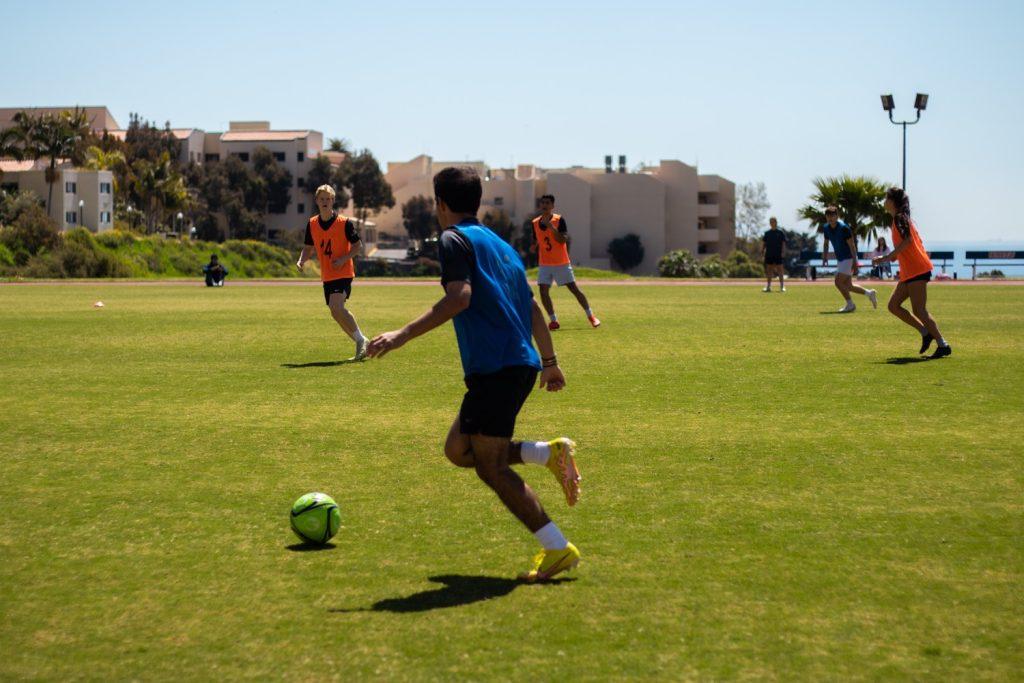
point(359, 336)
point(535, 452)
point(942, 342)
point(554, 318)
point(550, 536)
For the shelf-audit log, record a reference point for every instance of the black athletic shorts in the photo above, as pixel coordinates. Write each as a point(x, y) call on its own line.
point(773, 260)
point(923, 277)
point(493, 401)
point(340, 285)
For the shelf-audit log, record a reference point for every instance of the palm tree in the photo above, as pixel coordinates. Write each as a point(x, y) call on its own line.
point(859, 199)
point(98, 159)
point(10, 145)
point(53, 137)
point(160, 188)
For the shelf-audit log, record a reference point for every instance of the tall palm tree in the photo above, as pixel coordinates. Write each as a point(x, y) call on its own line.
point(160, 188)
point(53, 137)
point(859, 199)
point(98, 159)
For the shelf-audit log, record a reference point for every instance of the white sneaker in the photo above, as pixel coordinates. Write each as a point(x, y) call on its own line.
point(850, 307)
point(767, 289)
point(873, 295)
point(782, 289)
point(361, 349)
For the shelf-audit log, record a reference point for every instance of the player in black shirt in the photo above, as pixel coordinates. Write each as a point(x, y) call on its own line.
point(772, 245)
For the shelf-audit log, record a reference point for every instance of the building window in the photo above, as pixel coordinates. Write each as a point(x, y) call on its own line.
point(244, 156)
point(70, 217)
point(105, 188)
point(301, 207)
point(301, 156)
point(279, 156)
point(212, 157)
point(104, 216)
point(499, 201)
point(70, 187)
point(300, 182)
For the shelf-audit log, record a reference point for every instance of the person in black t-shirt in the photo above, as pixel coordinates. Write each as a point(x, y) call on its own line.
point(772, 246)
point(215, 272)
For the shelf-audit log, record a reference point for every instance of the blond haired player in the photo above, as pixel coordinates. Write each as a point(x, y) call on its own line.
point(333, 238)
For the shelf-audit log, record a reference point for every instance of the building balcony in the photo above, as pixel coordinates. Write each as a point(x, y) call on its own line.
point(707, 235)
point(708, 211)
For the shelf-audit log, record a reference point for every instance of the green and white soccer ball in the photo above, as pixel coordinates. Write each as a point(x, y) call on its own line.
point(315, 518)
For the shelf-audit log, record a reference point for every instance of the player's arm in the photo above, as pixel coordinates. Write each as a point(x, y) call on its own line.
point(455, 300)
point(562, 234)
point(891, 256)
point(357, 250)
point(550, 375)
point(853, 250)
point(824, 252)
point(308, 248)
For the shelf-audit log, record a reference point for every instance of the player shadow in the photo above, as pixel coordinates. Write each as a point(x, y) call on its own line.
point(320, 363)
point(309, 547)
point(457, 590)
point(834, 312)
point(906, 360)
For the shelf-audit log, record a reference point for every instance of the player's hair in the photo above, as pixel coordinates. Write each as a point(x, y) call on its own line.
point(459, 188)
point(832, 208)
point(325, 189)
point(902, 218)
point(548, 196)
point(773, 218)
point(882, 242)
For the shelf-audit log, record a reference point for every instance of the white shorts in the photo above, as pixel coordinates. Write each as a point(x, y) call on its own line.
point(845, 267)
point(558, 274)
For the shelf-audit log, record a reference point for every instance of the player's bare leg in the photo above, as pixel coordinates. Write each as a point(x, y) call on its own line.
point(490, 456)
point(347, 322)
point(584, 304)
point(549, 306)
point(457, 447)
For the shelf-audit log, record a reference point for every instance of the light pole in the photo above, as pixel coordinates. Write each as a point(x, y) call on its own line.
point(181, 223)
point(920, 104)
point(81, 213)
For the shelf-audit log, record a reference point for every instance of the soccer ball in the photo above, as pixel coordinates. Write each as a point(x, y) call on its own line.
point(315, 518)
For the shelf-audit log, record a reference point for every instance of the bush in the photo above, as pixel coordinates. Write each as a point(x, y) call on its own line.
point(627, 252)
point(30, 230)
point(679, 263)
point(738, 264)
point(714, 266)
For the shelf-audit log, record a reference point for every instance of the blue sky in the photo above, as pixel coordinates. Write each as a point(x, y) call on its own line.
point(777, 92)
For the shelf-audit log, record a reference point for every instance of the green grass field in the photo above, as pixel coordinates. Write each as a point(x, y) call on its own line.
point(765, 497)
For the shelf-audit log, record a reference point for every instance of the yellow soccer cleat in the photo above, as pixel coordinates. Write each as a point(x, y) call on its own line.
point(562, 464)
point(548, 563)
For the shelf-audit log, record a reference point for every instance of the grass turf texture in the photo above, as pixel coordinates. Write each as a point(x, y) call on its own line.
point(764, 496)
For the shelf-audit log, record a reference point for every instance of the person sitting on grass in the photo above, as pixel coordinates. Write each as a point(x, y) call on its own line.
point(215, 272)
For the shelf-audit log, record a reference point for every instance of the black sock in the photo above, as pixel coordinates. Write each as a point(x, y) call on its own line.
point(926, 341)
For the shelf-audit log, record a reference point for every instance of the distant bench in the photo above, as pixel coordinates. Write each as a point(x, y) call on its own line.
point(809, 259)
point(987, 256)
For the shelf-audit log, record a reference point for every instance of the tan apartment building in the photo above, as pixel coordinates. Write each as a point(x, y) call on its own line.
point(81, 198)
point(669, 206)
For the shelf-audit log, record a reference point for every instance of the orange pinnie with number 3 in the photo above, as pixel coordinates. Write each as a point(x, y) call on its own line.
point(550, 251)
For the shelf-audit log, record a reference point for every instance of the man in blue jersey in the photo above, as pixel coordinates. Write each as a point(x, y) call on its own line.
point(491, 305)
point(839, 234)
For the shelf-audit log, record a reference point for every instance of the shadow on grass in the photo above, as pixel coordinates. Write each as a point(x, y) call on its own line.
point(457, 590)
point(834, 312)
point(906, 360)
point(309, 547)
point(320, 363)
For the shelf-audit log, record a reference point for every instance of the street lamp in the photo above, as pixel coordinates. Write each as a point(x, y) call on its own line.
point(181, 223)
point(81, 212)
point(920, 104)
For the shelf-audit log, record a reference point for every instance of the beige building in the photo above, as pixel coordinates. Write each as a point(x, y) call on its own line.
point(669, 206)
point(81, 198)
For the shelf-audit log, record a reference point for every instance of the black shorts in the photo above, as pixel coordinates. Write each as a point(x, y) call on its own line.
point(340, 285)
point(773, 260)
point(923, 277)
point(493, 401)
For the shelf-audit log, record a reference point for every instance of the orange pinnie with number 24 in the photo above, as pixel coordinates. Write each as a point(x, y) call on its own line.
point(550, 251)
point(332, 244)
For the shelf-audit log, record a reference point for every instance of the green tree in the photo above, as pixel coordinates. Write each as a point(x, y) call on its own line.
point(419, 218)
point(25, 229)
point(276, 178)
point(339, 145)
point(626, 252)
point(859, 199)
point(53, 137)
point(160, 189)
point(370, 191)
point(322, 173)
point(11, 145)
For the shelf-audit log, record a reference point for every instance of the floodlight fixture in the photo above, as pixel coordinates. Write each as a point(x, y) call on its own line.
point(887, 103)
point(921, 102)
